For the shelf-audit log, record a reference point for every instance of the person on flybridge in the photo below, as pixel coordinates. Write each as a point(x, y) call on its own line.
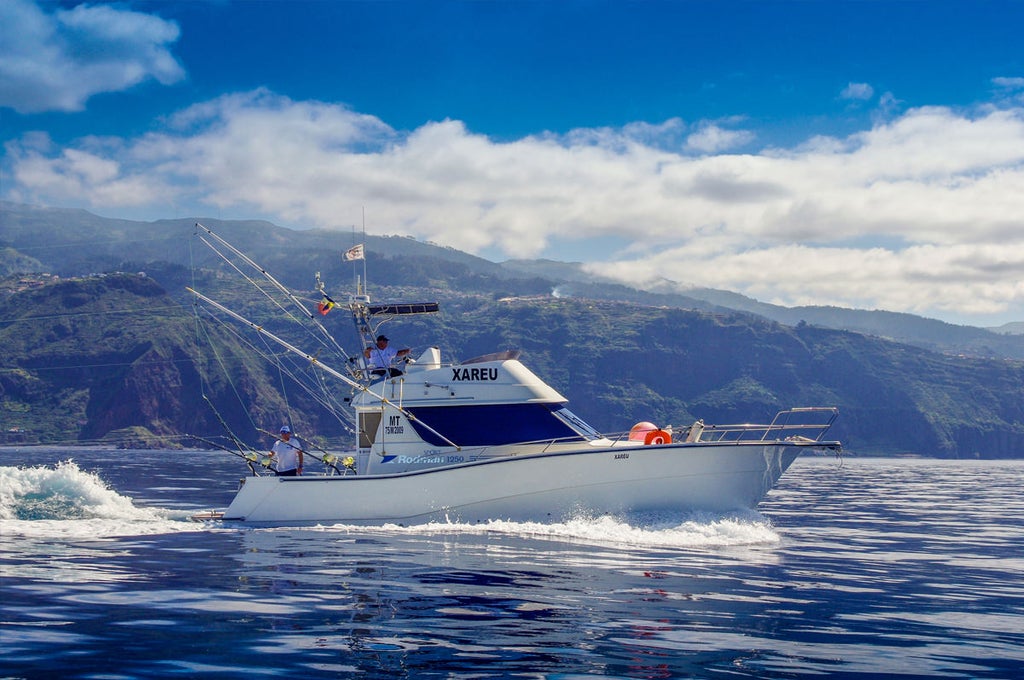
point(380, 357)
point(287, 453)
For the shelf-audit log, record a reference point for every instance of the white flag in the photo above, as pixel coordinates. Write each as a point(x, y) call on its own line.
point(355, 253)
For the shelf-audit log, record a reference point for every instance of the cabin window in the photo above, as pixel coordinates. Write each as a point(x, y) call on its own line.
point(368, 424)
point(495, 425)
point(575, 422)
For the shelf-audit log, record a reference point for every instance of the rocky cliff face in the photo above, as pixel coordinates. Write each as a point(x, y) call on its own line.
point(92, 359)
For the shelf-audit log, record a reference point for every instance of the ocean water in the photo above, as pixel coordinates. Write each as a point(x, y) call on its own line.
point(868, 568)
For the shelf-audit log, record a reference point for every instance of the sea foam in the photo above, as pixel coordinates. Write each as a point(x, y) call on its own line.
point(65, 501)
point(692, 530)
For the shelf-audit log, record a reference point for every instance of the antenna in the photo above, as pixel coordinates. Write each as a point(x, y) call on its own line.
point(364, 247)
point(355, 272)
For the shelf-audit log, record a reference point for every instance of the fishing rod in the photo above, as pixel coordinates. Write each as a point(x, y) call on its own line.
point(239, 444)
point(322, 397)
point(324, 367)
point(249, 458)
point(328, 458)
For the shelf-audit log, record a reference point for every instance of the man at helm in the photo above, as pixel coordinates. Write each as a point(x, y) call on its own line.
point(381, 356)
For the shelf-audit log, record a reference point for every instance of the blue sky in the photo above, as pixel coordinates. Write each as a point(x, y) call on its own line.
point(860, 154)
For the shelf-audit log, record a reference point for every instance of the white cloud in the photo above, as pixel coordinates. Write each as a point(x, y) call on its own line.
point(952, 281)
point(78, 175)
point(666, 135)
point(857, 91)
point(56, 62)
point(920, 213)
point(1009, 83)
point(711, 139)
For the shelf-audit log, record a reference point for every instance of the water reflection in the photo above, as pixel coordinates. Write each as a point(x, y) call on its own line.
point(877, 567)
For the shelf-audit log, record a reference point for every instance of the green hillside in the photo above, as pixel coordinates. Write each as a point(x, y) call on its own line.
point(76, 243)
point(114, 358)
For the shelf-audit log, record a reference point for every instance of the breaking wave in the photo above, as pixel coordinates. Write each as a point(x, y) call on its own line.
point(64, 501)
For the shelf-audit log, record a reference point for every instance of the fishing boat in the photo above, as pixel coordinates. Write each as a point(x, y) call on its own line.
point(487, 439)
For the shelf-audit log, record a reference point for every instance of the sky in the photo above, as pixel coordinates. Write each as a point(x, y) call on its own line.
point(865, 154)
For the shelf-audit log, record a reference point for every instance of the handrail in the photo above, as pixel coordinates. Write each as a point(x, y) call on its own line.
point(711, 434)
point(781, 423)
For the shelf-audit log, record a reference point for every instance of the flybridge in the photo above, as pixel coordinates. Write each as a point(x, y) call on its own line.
point(369, 318)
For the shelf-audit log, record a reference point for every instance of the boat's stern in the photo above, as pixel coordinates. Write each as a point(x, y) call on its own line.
point(252, 492)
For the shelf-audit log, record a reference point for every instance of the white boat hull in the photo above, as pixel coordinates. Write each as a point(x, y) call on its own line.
point(539, 487)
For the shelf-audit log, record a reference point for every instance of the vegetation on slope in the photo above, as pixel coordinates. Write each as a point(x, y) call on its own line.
point(85, 358)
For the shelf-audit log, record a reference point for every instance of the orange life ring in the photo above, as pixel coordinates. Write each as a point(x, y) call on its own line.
point(657, 437)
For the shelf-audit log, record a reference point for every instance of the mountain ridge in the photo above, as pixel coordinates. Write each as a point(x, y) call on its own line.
point(620, 355)
point(98, 244)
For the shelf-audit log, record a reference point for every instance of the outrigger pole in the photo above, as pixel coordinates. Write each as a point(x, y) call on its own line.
point(277, 284)
point(316, 362)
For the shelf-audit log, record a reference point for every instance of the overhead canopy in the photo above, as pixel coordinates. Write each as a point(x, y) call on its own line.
point(404, 308)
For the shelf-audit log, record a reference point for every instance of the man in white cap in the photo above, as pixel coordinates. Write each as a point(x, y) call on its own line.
point(287, 451)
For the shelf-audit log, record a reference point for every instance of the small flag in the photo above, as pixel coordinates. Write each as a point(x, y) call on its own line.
point(325, 305)
point(355, 253)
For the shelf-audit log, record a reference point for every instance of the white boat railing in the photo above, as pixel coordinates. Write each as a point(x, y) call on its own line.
point(805, 425)
point(808, 424)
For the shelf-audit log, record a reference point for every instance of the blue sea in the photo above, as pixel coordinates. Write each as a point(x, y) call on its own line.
point(856, 568)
